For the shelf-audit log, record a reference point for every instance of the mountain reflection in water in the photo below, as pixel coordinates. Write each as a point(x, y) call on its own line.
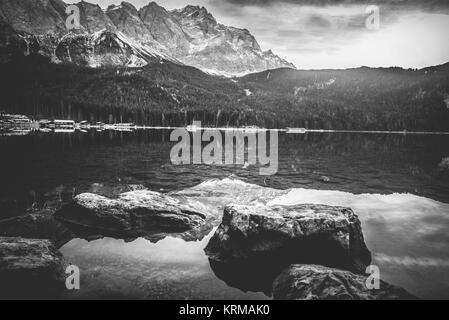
point(397, 184)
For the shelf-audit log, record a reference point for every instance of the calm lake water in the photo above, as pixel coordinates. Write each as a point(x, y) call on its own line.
point(397, 184)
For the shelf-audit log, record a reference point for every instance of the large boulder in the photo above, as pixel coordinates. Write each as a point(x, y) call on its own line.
point(306, 233)
point(36, 226)
point(30, 268)
point(313, 282)
point(133, 214)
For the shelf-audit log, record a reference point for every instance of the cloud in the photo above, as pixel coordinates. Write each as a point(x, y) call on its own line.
point(408, 262)
point(317, 37)
point(332, 33)
point(403, 3)
point(318, 22)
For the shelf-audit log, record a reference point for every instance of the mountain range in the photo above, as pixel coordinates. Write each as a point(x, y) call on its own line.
point(125, 36)
point(47, 72)
point(174, 95)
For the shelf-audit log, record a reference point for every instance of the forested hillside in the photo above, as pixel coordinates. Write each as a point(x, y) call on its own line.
point(164, 93)
point(364, 98)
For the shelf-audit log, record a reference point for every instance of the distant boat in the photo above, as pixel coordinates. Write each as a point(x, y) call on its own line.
point(15, 133)
point(64, 130)
point(124, 125)
point(253, 129)
point(62, 124)
point(193, 128)
point(15, 120)
point(44, 123)
point(120, 126)
point(122, 129)
point(296, 130)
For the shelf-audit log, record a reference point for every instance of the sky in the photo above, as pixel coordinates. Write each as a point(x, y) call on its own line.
point(322, 34)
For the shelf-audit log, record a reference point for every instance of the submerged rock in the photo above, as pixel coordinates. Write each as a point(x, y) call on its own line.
point(133, 214)
point(36, 226)
point(113, 190)
point(219, 193)
point(30, 269)
point(312, 282)
point(284, 235)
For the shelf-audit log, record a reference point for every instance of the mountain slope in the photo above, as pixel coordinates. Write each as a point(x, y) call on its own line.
point(169, 94)
point(126, 19)
point(164, 28)
point(191, 36)
point(94, 19)
point(362, 98)
point(217, 48)
point(34, 16)
point(99, 49)
point(10, 42)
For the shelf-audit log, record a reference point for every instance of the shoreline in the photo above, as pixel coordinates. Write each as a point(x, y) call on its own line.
point(34, 126)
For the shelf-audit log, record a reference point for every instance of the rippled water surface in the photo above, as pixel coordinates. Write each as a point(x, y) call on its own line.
point(397, 184)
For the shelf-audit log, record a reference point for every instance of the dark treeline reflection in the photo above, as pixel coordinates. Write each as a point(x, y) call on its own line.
point(42, 167)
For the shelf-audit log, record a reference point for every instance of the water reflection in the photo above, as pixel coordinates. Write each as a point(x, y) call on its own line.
point(169, 269)
point(407, 235)
point(391, 182)
point(356, 163)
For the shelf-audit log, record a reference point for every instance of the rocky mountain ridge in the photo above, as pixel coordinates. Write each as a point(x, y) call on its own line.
point(123, 35)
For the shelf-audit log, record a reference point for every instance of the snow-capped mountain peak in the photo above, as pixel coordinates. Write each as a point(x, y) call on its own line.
point(190, 35)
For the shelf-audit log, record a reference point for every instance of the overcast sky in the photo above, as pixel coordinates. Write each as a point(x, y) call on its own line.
point(317, 34)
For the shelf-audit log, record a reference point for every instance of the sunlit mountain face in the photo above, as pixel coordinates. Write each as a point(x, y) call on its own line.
point(332, 33)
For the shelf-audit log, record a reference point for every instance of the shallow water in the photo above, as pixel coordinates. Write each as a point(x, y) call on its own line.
point(170, 269)
point(397, 184)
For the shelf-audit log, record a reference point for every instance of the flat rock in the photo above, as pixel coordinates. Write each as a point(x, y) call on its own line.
point(313, 282)
point(286, 235)
point(30, 268)
point(36, 226)
point(133, 214)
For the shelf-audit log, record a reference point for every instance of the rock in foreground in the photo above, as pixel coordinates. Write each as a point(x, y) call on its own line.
point(30, 269)
point(132, 214)
point(286, 235)
point(312, 282)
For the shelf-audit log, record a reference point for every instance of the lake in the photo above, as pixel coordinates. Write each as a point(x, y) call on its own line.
point(398, 184)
